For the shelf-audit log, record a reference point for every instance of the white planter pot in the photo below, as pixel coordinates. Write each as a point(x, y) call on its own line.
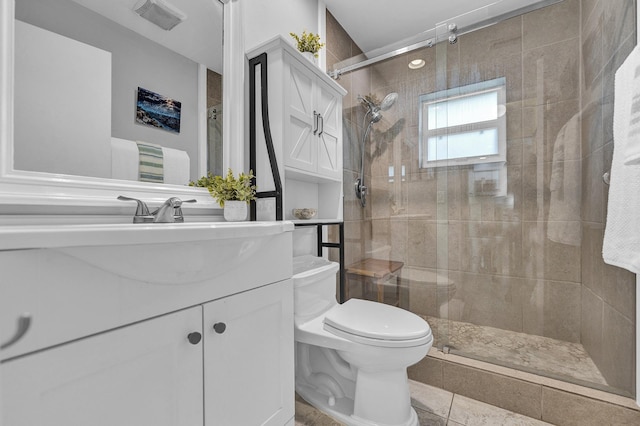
point(235, 211)
point(310, 57)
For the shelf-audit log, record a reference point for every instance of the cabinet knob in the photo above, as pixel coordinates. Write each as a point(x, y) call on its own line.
point(194, 338)
point(219, 327)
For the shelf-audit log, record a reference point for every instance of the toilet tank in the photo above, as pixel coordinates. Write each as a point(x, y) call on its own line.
point(314, 286)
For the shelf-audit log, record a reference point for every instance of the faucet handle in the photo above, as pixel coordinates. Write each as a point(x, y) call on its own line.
point(177, 213)
point(142, 214)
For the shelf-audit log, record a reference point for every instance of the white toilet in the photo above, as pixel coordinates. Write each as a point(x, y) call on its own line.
point(352, 359)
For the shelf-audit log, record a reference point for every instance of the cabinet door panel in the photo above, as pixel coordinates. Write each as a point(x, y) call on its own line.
point(249, 377)
point(144, 374)
point(330, 148)
point(300, 143)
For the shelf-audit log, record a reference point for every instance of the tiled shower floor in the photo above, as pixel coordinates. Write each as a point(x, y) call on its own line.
point(435, 407)
point(536, 354)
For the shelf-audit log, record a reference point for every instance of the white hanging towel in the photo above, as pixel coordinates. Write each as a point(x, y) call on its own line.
point(176, 166)
point(621, 245)
point(125, 161)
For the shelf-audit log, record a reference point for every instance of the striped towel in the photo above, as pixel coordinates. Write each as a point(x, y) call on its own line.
point(151, 168)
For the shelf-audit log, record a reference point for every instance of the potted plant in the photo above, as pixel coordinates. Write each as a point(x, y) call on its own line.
point(308, 44)
point(232, 194)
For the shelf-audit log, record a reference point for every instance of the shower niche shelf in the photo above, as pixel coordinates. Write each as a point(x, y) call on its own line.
point(305, 124)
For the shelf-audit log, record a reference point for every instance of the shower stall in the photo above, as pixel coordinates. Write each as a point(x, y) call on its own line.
point(484, 179)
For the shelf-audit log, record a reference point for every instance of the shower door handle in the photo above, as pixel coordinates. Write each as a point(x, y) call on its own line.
point(321, 131)
point(315, 122)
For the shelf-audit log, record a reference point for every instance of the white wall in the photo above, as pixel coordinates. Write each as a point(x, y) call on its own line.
point(265, 19)
point(63, 104)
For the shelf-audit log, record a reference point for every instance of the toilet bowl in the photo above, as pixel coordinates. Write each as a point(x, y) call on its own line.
point(352, 359)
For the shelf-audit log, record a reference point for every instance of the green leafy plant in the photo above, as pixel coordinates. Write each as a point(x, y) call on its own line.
point(228, 188)
point(308, 42)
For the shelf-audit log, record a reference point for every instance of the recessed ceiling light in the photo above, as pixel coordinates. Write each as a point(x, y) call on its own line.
point(416, 63)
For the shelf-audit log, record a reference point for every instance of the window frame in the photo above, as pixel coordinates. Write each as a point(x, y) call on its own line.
point(497, 85)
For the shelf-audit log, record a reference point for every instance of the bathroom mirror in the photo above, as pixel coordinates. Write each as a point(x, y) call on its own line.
point(79, 67)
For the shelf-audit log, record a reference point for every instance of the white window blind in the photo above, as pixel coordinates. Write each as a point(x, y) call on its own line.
point(464, 125)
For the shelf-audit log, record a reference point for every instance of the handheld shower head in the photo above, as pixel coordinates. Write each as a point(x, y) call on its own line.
point(374, 109)
point(388, 101)
point(375, 114)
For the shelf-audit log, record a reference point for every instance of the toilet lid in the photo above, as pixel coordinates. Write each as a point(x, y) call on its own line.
point(374, 320)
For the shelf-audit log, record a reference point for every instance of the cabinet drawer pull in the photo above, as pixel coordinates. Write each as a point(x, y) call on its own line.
point(321, 130)
point(24, 322)
point(194, 338)
point(219, 327)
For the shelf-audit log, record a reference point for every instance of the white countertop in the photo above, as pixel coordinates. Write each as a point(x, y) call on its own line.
point(50, 236)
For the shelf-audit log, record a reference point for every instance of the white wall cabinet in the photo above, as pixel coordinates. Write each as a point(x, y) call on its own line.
point(313, 139)
point(305, 119)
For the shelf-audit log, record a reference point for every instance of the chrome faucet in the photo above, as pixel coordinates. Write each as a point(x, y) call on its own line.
point(169, 212)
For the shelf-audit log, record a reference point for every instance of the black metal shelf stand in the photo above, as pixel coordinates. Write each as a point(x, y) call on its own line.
point(339, 245)
point(261, 60)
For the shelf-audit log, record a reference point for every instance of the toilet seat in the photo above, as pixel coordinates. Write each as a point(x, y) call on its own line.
point(376, 324)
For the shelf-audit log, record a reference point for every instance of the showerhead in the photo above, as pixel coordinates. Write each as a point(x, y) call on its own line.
point(374, 109)
point(388, 101)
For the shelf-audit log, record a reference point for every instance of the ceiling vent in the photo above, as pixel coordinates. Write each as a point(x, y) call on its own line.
point(161, 13)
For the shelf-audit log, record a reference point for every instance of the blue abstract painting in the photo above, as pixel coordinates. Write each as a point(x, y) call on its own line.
point(158, 111)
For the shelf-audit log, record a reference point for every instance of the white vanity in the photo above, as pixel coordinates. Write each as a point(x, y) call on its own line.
point(137, 324)
point(162, 324)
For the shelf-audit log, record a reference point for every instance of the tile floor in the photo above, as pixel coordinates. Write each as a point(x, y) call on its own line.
point(435, 407)
point(542, 355)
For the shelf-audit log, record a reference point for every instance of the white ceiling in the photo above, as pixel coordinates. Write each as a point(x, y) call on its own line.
point(373, 24)
point(198, 38)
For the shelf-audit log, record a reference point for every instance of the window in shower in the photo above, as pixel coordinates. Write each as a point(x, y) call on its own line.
point(463, 125)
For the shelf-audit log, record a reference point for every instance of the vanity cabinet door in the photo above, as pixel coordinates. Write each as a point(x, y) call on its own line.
point(248, 358)
point(148, 373)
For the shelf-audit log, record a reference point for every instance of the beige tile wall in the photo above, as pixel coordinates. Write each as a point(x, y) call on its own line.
point(340, 47)
point(608, 293)
point(508, 272)
point(214, 88)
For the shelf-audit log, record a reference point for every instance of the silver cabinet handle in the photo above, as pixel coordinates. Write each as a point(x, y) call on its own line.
point(321, 125)
point(315, 122)
point(24, 322)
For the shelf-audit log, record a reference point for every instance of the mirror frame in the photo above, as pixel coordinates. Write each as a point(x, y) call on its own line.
point(26, 192)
